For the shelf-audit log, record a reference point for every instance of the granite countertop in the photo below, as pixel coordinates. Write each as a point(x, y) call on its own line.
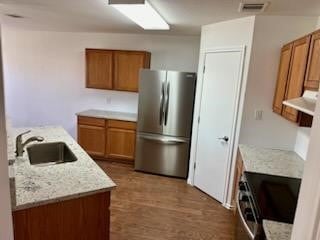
point(272, 161)
point(277, 230)
point(131, 117)
point(40, 185)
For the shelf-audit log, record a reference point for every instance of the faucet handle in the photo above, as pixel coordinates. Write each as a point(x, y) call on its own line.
point(24, 133)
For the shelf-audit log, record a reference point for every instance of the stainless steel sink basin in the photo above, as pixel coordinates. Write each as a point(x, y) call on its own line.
point(50, 153)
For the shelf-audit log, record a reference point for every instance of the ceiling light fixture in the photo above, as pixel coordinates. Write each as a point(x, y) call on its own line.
point(142, 13)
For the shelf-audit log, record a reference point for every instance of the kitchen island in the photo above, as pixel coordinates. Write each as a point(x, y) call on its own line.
point(61, 201)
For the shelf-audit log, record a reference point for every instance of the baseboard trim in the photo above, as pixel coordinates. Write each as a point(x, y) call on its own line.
point(228, 206)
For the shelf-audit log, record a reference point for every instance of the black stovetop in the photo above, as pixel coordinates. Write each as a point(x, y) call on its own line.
point(274, 197)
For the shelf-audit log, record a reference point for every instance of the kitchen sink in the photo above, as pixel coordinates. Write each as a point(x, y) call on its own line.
point(50, 153)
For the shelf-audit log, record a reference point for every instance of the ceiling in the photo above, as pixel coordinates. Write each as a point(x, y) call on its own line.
point(184, 16)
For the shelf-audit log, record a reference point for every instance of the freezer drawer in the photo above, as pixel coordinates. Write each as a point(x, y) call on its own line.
point(162, 155)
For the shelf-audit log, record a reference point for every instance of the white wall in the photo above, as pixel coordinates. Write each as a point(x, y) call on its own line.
point(306, 223)
point(302, 142)
point(270, 33)
point(5, 202)
point(45, 72)
point(232, 33)
point(266, 35)
point(318, 25)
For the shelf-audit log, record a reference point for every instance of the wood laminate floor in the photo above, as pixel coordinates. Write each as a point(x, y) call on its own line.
point(150, 207)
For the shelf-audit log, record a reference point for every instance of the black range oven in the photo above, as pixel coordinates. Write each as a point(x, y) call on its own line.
point(263, 196)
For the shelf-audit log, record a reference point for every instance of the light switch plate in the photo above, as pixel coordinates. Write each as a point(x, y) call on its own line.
point(258, 114)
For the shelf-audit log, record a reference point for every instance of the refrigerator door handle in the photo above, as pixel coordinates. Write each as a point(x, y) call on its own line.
point(164, 140)
point(167, 104)
point(161, 104)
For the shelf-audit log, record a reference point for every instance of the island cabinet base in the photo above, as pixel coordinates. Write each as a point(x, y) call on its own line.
point(84, 218)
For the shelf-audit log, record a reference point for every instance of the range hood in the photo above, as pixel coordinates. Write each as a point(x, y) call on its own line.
point(306, 103)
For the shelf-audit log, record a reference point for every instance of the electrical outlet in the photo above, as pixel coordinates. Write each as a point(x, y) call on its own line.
point(258, 114)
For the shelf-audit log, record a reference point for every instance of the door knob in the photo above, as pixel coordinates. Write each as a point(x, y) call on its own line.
point(225, 138)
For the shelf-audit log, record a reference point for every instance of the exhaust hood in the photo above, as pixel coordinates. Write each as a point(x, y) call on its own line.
point(306, 103)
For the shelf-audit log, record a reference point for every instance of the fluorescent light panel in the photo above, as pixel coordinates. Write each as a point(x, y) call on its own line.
point(144, 15)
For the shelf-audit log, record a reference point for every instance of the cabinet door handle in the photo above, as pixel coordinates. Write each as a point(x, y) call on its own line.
point(164, 140)
point(161, 104)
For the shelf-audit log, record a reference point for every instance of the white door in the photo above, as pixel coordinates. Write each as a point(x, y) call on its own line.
point(218, 112)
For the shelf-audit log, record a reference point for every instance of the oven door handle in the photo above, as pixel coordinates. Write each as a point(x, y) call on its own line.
point(243, 221)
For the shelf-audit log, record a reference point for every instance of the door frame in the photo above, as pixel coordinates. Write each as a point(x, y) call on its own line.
point(234, 138)
point(6, 225)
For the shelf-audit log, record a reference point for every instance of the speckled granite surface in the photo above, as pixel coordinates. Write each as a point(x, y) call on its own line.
point(277, 230)
point(132, 117)
point(272, 161)
point(39, 185)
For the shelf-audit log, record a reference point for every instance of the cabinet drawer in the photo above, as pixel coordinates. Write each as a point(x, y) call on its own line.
point(91, 121)
point(122, 124)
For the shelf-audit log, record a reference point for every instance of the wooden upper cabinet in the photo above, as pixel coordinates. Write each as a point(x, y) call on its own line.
point(115, 69)
point(283, 73)
point(99, 69)
point(313, 69)
point(296, 77)
point(127, 65)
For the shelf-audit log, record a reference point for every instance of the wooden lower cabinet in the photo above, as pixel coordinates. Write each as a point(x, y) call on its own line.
point(121, 143)
point(92, 139)
point(84, 218)
point(237, 177)
point(107, 139)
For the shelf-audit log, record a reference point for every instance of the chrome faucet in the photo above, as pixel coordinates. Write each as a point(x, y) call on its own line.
point(20, 145)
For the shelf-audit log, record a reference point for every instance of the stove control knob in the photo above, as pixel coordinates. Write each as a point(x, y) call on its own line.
point(242, 186)
point(247, 210)
point(249, 214)
point(243, 197)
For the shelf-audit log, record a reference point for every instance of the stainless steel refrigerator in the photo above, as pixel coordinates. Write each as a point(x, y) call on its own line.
point(166, 100)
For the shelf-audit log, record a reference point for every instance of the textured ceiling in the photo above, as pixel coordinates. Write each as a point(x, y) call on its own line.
point(184, 16)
